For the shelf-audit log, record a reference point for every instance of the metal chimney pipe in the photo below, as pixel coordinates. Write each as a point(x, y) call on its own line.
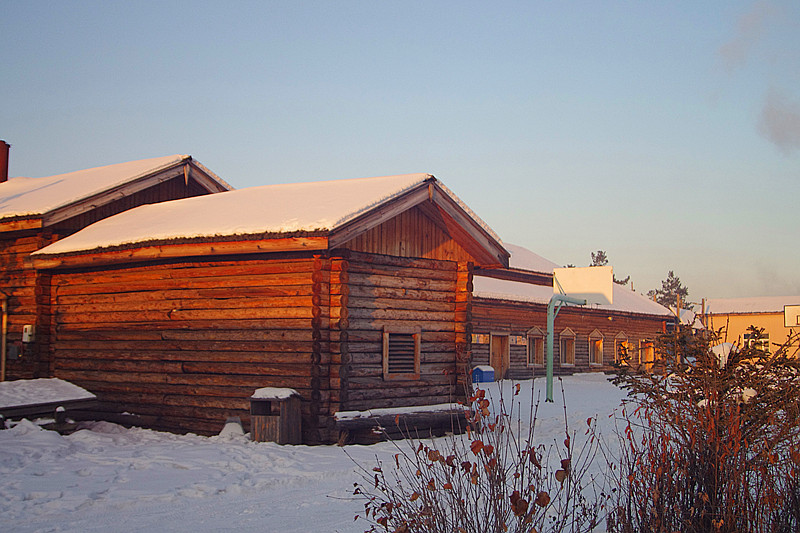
point(4, 146)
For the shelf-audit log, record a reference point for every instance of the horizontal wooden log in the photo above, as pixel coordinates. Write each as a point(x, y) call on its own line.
point(252, 369)
point(165, 251)
point(355, 336)
point(374, 280)
point(144, 354)
point(20, 224)
point(184, 315)
point(398, 314)
point(371, 292)
point(284, 292)
point(379, 324)
point(230, 282)
point(376, 370)
point(294, 382)
point(188, 304)
point(433, 264)
point(190, 270)
point(188, 345)
point(380, 403)
point(156, 328)
point(401, 272)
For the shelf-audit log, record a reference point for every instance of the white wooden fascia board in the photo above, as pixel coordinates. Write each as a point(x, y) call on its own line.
point(206, 178)
point(108, 196)
point(378, 215)
point(473, 229)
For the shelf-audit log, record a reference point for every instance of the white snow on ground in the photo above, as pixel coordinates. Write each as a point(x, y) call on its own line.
point(45, 390)
point(108, 478)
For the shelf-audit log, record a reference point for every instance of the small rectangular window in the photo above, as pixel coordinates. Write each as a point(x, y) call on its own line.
point(567, 349)
point(647, 353)
point(535, 351)
point(596, 351)
point(758, 342)
point(401, 354)
point(623, 353)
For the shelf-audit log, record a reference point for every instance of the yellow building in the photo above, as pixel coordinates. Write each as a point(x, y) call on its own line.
point(777, 315)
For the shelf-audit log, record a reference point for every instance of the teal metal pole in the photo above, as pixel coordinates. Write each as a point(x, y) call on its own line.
point(551, 319)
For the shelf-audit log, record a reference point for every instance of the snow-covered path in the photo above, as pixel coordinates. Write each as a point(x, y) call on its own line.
point(108, 478)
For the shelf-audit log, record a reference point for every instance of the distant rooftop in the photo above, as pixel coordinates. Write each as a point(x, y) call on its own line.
point(758, 304)
point(625, 300)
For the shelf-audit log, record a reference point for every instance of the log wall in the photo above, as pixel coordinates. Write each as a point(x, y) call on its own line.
point(28, 290)
point(516, 318)
point(28, 302)
point(399, 292)
point(184, 345)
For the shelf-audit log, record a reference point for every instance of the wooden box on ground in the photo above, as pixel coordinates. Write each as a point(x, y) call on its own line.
point(275, 416)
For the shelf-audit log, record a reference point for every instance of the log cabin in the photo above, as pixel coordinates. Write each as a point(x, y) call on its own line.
point(35, 212)
point(509, 317)
point(354, 293)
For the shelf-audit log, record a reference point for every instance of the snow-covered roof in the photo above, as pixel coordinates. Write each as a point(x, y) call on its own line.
point(758, 304)
point(21, 196)
point(525, 259)
point(314, 207)
point(625, 299)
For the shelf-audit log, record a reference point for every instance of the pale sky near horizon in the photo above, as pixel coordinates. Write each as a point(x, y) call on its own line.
point(665, 133)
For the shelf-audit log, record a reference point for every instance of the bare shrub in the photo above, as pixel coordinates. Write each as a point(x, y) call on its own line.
point(493, 478)
point(710, 446)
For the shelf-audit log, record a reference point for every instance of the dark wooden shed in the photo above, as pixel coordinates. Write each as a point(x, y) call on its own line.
point(354, 293)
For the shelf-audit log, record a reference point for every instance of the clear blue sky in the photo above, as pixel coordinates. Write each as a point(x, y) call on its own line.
point(666, 133)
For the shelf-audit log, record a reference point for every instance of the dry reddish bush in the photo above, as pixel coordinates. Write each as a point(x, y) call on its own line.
point(713, 445)
point(493, 478)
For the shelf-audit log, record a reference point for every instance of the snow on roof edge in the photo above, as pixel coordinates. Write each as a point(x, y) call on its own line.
point(483, 225)
point(59, 179)
point(125, 229)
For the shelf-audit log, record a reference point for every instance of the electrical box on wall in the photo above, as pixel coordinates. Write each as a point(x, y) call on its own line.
point(28, 333)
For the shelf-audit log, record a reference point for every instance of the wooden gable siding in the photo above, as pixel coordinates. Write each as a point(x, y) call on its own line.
point(173, 189)
point(410, 234)
point(183, 345)
point(394, 292)
point(28, 301)
point(516, 318)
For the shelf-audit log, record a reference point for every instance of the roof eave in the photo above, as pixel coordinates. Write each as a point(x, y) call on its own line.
point(486, 248)
point(186, 166)
point(146, 252)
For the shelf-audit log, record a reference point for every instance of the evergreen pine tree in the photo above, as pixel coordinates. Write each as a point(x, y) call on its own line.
point(600, 258)
point(670, 289)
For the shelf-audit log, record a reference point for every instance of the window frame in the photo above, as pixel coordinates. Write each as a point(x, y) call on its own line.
point(647, 353)
point(762, 343)
point(621, 340)
point(568, 336)
point(596, 337)
point(416, 334)
point(535, 340)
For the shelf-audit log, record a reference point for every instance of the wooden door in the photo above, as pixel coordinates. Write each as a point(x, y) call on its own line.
point(499, 355)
